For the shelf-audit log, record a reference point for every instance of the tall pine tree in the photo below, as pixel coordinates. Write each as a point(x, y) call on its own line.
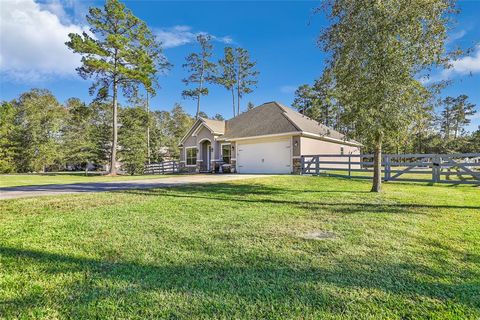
point(122, 53)
point(201, 70)
point(246, 74)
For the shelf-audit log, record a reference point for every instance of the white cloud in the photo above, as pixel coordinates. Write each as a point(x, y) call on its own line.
point(68, 11)
point(288, 89)
point(181, 35)
point(467, 65)
point(455, 36)
point(33, 41)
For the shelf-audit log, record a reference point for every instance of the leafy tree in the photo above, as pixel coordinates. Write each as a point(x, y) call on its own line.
point(160, 138)
point(202, 114)
point(201, 70)
point(422, 128)
point(246, 74)
point(170, 127)
point(318, 102)
point(78, 139)
point(250, 106)
point(122, 53)
point(228, 73)
point(325, 101)
point(377, 50)
point(8, 129)
point(475, 141)
point(39, 121)
point(462, 110)
point(133, 144)
point(102, 119)
point(304, 98)
point(455, 115)
point(219, 117)
point(446, 117)
point(180, 124)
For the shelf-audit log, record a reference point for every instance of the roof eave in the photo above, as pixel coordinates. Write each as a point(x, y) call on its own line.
point(291, 133)
point(326, 138)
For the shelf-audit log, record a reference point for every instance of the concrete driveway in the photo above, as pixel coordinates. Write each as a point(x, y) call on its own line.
point(59, 189)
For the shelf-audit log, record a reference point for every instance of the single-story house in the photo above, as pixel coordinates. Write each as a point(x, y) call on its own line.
point(270, 138)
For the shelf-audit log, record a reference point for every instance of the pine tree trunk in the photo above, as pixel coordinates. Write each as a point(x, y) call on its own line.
point(233, 100)
point(238, 91)
point(113, 157)
point(198, 106)
point(377, 166)
point(148, 131)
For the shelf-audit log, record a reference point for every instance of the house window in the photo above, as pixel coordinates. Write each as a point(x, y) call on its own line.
point(226, 153)
point(342, 152)
point(191, 156)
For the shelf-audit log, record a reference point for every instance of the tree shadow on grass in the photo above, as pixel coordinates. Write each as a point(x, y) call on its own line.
point(270, 283)
point(259, 194)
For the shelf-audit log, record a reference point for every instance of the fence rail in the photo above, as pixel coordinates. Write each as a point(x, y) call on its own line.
point(459, 168)
point(164, 167)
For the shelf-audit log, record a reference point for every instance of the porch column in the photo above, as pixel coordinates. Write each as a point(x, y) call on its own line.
point(212, 157)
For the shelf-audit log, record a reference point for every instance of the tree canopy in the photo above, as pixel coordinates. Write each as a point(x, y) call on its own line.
point(377, 50)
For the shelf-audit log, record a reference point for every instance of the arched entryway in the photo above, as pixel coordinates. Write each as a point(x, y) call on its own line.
point(206, 154)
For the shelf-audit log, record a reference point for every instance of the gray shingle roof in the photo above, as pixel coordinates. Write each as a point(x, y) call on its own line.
point(305, 124)
point(275, 118)
point(268, 119)
point(262, 120)
point(217, 126)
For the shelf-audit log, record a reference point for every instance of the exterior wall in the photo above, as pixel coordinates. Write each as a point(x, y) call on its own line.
point(204, 133)
point(190, 141)
point(195, 141)
point(309, 146)
point(296, 152)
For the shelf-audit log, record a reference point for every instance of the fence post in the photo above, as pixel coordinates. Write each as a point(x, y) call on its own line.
point(302, 164)
point(350, 165)
point(317, 166)
point(435, 172)
point(387, 168)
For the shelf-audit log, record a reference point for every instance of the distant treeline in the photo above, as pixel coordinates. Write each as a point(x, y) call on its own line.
point(38, 134)
point(438, 125)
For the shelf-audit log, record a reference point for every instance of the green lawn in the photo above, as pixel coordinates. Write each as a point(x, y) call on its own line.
point(237, 250)
point(12, 180)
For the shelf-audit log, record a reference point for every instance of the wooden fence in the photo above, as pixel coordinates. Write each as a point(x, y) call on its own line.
point(164, 167)
point(462, 168)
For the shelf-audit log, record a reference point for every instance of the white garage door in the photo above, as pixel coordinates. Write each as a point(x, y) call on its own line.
point(264, 157)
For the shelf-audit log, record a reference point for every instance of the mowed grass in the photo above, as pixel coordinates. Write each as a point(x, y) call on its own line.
point(237, 251)
point(15, 180)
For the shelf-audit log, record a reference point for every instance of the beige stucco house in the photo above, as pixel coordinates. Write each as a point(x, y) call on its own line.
point(270, 138)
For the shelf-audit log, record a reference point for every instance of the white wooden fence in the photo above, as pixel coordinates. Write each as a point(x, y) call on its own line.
point(165, 167)
point(462, 168)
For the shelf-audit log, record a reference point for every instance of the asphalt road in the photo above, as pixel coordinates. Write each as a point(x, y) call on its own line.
point(59, 189)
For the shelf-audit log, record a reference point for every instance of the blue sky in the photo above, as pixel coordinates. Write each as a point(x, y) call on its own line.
point(280, 36)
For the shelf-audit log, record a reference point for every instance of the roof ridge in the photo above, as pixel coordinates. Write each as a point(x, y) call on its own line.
point(324, 126)
point(284, 113)
point(208, 119)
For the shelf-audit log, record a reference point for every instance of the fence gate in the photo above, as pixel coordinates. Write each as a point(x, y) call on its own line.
point(462, 168)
